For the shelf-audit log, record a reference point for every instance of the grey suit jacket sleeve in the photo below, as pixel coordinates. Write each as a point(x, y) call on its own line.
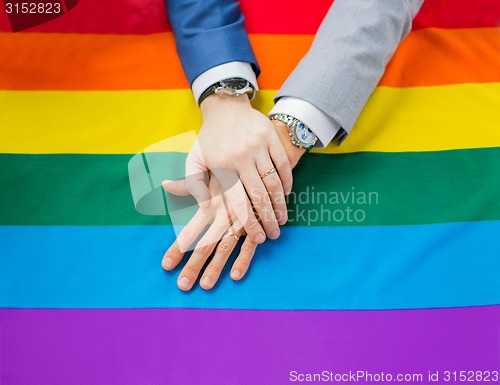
point(349, 54)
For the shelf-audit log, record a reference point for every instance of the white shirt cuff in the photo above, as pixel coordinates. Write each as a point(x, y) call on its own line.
point(234, 69)
point(322, 125)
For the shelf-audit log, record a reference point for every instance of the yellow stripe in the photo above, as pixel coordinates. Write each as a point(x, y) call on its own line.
point(94, 122)
point(425, 119)
point(115, 122)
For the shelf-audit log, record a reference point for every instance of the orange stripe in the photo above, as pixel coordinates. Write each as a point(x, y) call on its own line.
point(40, 61)
point(278, 55)
point(437, 56)
point(425, 58)
point(129, 62)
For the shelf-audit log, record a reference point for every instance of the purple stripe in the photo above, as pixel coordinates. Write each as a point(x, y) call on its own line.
point(235, 347)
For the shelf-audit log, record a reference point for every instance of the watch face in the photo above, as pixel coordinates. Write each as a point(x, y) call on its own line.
point(234, 84)
point(304, 134)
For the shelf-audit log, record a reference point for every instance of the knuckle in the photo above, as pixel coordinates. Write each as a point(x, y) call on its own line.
point(253, 225)
point(190, 268)
point(255, 144)
point(244, 261)
point(267, 218)
point(239, 203)
point(224, 163)
point(279, 200)
point(273, 182)
point(224, 248)
point(204, 248)
point(258, 196)
point(241, 155)
point(247, 250)
point(262, 134)
point(282, 164)
point(214, 269)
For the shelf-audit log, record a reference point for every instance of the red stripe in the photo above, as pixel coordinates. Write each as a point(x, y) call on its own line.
point(262, 16)
point(458, 14)
point(113, 16)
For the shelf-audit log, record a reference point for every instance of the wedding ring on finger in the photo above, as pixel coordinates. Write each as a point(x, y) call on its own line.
point(268, 172)
point(229, 233)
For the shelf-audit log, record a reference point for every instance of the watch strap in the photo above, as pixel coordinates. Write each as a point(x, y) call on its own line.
point(292, 123)
point(209, 91)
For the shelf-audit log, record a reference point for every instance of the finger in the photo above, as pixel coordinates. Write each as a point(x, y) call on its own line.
point(274, 187)
point(196, 181)
point(242, 263)
point(261, 202)
point(185, 239)
point(239, 204)
point(202, 251)
point(175, 187)
point(282, 164)
point(222, 254)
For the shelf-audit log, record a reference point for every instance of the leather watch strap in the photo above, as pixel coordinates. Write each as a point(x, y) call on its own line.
point(209, 91)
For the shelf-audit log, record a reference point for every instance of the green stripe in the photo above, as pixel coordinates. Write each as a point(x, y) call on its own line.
point(404, 188)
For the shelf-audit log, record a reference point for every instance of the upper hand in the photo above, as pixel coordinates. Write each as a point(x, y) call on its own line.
point(234, 136)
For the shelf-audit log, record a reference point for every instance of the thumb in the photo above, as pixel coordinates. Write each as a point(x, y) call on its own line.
point(196, 183)
point(175, 187)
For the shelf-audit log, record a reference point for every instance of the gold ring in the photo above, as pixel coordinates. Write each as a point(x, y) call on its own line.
point(229, 233)
point(268, 172)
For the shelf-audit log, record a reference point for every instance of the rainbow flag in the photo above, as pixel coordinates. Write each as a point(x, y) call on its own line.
point(400, 273)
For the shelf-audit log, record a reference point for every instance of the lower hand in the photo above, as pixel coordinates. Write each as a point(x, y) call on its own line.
point(216, 216)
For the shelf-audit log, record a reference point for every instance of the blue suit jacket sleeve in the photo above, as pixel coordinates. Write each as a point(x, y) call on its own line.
point(209, 33)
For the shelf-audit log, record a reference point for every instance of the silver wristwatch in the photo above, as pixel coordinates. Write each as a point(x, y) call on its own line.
point(231, 86)
point(300, 134)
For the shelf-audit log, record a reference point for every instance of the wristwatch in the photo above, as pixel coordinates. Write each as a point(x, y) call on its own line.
point(231, 86)
point(300, 134)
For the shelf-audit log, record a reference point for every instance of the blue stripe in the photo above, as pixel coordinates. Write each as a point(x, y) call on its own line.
point(377, 267)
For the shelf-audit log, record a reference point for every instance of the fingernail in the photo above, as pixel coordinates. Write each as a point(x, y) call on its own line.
point(275, 234)
point(184, 283)
point(260, 238)
point(288, 191)
point(206, 282)
point(165, 182)
point(168, 263)
point(235, 274)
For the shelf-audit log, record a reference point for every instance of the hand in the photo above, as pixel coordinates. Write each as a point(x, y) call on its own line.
point(293, 152)
point(234, 136)
point(215, 215)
